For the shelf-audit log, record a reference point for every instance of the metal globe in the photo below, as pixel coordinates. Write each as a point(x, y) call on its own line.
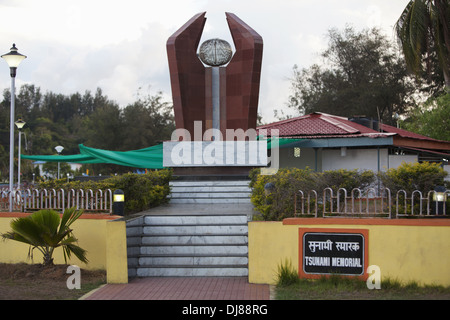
point(215, 52)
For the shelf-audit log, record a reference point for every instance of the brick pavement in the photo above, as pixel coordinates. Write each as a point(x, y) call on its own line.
point(181, 288)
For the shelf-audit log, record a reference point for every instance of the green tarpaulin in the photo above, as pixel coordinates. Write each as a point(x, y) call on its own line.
point(147, 158)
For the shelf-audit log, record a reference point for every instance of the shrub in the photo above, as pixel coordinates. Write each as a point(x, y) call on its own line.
point(142, 191)
point(279, 204)
point(423, 176)
point(287, 181)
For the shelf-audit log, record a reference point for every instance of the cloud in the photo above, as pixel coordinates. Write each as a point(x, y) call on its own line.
point(120, 46)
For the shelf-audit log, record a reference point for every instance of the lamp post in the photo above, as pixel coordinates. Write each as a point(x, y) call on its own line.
point(13, 59)
point(59, 149)
point(19, 123)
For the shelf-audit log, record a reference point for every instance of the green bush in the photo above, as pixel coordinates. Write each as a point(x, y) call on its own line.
point(279, 204)
point(423, 176)
point(287, 181)
point(142, 191)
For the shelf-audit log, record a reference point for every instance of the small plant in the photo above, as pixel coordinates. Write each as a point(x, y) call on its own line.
point(286, 274)
point(45, 230)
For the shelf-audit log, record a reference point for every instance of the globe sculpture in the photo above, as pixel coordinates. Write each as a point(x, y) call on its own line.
point(215, 52)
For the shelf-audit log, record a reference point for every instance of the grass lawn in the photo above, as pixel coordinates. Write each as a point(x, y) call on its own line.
point(341, 288)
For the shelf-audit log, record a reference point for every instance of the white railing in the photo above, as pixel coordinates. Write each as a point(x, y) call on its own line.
point(100, 201)
point(370, 202)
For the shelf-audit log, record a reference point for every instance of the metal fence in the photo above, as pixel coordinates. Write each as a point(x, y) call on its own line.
point(100, 201)
point(371, 202)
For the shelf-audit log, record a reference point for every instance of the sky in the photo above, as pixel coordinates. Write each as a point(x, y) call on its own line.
point(120, 46)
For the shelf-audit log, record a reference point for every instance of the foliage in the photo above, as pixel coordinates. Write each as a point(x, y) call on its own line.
point(45, 230)
point(142, 191)
point(335, 287)
point(50, 169)
point(423, 32)
point(361, 75)
point(431, 120)
point(91, 119)
point(279, 204)
point(286, 274)
point(413, 176)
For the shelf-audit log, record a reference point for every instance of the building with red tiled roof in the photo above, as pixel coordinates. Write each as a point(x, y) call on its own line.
point(327, 142)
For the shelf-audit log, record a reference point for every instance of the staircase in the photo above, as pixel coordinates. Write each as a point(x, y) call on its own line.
point(201, 191)
point(202, 232)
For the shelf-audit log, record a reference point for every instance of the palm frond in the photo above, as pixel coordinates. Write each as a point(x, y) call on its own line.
point(45, 230)
point(27, 230)
point(79, 252)
point(47, 219)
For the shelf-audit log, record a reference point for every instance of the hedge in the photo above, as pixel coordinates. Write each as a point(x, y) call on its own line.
point(142, 191)
point(279, 204)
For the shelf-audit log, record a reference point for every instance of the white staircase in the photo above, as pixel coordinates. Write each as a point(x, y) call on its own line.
point(214, 191)
point(202, 232)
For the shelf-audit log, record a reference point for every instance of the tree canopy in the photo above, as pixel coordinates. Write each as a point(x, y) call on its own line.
point(423, 31)
point(91, 119)
point(362, 74)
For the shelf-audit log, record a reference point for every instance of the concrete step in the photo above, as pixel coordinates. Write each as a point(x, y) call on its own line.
point(197, 261)
point(194, 250)
point(208, 200)
point(189, 271)
point(195, 188)
point(213, 183)
point(190, 244)
point(193, 239)
point(195, 229)
point(195, 195)
point(210, 191)
point(162, 220)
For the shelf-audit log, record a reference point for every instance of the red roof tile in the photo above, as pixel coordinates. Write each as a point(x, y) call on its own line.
point(319, 125)
point(405, 134)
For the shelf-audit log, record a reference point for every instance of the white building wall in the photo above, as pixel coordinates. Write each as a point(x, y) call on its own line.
point(361, 159)
point(447, 168)
point(396, 160)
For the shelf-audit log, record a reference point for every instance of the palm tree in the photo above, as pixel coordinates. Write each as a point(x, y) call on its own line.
point(424, 34)
point(45, 230)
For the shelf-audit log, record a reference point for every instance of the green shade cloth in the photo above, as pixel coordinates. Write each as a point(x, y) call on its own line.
point(147, 158)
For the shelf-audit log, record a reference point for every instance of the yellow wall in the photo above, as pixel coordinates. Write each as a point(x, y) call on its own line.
point(406, 250)
point(103, 237)
point(116, 252)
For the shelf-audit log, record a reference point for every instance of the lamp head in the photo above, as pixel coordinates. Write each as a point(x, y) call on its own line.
point(13, 59)
point(20, 123)
point(59, 149)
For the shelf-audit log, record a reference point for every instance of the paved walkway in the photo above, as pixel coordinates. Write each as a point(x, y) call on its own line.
point(186, 288)
point(179, 288)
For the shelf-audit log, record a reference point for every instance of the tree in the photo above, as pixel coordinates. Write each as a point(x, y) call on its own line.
point(45, 230)
point(361, 75)
point(432, 119)
point(51, 168)
point(148, 122)
point(423, 30)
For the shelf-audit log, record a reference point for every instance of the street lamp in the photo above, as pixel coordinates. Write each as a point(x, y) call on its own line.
point(19, 123)
point(13, 59)
point(59, 149)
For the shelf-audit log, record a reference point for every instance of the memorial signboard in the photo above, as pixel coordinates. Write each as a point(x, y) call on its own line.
point(332, 251)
